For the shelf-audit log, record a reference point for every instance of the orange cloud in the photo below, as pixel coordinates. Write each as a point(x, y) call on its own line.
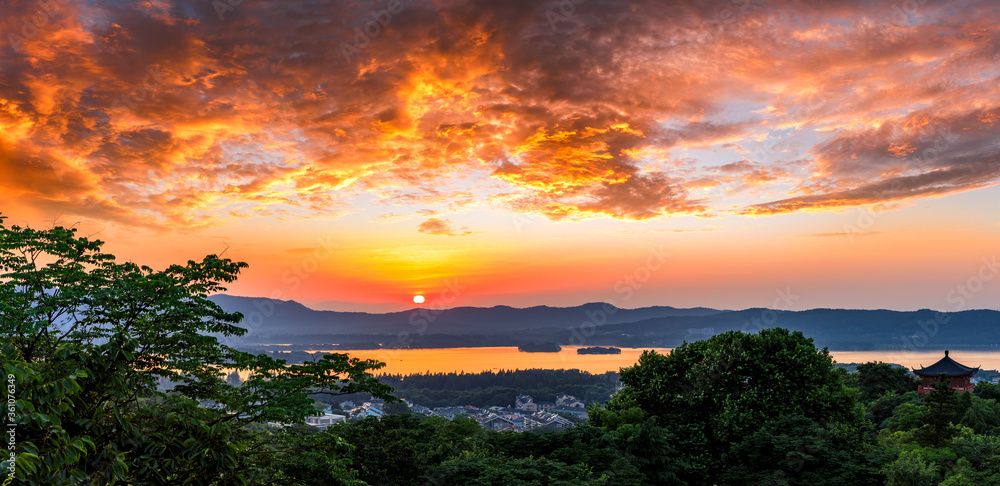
point(167, 115)
point(435, 226)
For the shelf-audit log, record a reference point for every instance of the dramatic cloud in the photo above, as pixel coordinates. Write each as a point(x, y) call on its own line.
point(434, 226)
point(181, 113)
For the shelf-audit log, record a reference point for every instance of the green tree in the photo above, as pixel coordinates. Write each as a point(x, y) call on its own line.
point(797, 450)
point(398, 449)
point(69, 311)
point(982, 416)
point(877, 378)
point(910, 469)
point(731, 385)
point(485, 470)
point(943, 410)
point(988, 390)
point(880, 410)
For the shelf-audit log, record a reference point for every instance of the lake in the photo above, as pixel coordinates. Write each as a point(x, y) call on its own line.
point(473, 360)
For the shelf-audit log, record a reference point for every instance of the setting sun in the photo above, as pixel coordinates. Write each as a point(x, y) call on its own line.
point(418, 299)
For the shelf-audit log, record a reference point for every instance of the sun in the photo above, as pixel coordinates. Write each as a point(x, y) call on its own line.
point(418, 299)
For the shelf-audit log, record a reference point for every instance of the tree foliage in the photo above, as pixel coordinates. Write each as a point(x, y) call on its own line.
point(732, 384)
point(877, 378)
point(88, 339)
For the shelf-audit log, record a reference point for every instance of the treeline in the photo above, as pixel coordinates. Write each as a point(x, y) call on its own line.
point(500, 387)
point(735, 409)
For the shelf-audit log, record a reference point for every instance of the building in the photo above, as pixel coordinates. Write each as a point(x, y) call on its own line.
point(451, 412)
point(545, 405)
point(367, 410)
point(569, 401)
point(492, 421)
point(325, 420)
point(526, 403)
point(541, 419)
point(959, 375)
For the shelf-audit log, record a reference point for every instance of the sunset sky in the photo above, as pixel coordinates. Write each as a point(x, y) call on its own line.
point(521, 152)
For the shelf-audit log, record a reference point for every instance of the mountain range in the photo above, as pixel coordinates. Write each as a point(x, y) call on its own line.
point(272, 321)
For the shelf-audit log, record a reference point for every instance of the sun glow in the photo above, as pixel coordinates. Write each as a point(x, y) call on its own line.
point(418, 299)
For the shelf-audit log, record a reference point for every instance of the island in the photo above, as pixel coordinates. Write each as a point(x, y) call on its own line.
point(540, 348)
point(599, 350)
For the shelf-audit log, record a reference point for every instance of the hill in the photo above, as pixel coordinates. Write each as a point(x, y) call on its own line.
point(274, 321)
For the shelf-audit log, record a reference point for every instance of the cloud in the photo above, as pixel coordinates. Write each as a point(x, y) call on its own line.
point(161, 114)
point(841, 235)
point(435, 226)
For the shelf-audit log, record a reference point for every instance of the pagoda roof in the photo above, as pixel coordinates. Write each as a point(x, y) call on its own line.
point(947, 366)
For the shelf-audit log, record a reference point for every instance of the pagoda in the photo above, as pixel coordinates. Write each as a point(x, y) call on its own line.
point(959, 375)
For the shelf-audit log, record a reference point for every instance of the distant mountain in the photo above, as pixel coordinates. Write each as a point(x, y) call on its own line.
point(839, 329)
point(269, 317)
point(596, 324)
point(377, 308)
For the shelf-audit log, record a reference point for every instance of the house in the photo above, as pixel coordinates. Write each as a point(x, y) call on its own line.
point(451, 412)
point(492, 421)
point(367, 410)
point(569, 401)
point(517, 420)
point(511, 428)
point(541, 419)
point(526, 403)
point(958, 374)
point(325, 420)
point(546, 405)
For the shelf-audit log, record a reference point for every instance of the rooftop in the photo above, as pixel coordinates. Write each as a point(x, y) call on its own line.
point(947, 366)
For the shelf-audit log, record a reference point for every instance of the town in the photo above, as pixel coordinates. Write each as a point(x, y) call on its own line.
point(525, 414)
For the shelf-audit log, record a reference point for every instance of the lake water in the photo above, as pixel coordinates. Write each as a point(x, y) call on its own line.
point(473, 360)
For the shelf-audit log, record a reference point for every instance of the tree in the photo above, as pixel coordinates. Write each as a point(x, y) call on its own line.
point(910, 469)
point(732, 384)
point(796, 450)
point(398, 449)
point(943, 410)
point(877, 378)
point(68, 311)
point(982, 416)
point(883, 407)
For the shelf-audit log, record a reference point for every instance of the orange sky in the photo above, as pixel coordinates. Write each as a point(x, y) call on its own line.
point(520, 152)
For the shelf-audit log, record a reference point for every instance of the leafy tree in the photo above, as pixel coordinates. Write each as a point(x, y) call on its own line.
point(988, 390)
point(114, 331)
point(731, 385)
point(797, 450)
point(942, 411)
point(606, 455)
point(473, 470)
point(400, 448)
point(982, 416)
point(910, 469)
point(908, 416)
point(877, 378)
point(882, 409)
point(397, 408)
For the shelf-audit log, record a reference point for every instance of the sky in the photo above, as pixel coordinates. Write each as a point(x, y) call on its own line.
point(727, 154)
